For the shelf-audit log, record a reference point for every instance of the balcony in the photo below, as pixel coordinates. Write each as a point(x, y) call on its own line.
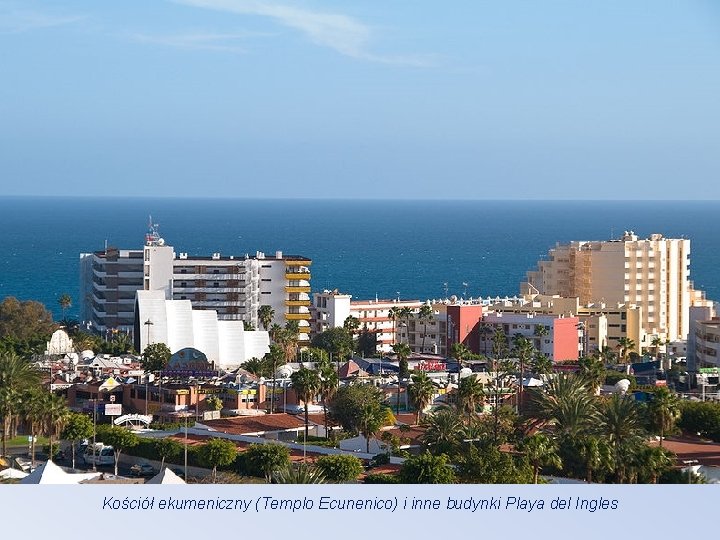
point(299, 262)
point(297, 289)
point(297, 316)
point(298, 303)
point(297, 275)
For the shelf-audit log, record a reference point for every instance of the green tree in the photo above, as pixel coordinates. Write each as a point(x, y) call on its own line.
point(217, 453)
point(470, 395)
point(594, 453)
point(55, 414)
point(539, 332)
point(328, 385)
point(488, 465)
point(653, 462)
point(78, 427)
point(337, 342)
point(119, 438)
point(17, 376)
point(592, 370)
point(366, 343)
point(32, 410)
point(427, 469)
point(420, 392)
point(155, 357)
point(425, 315)
point(264, 460)
point(24, 320)
point(522, 349)
point(541, 364)
point(359, 408)
point(541, 451)
point(625, 345)
point(340, 468)
point(259, 367)
point(403, 352)
point(214, 403)
point(306, 383)
point(702, 418)
point(566, 402)
point(274, 358)
point(351, 324)
point(166, 448)
point(65, 302)
point(621, 424)
point(443, 432)
point(266, 314)
point(664, 410)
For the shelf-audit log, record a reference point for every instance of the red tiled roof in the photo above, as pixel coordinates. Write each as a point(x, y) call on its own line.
point(256, 424)
point(706, 453)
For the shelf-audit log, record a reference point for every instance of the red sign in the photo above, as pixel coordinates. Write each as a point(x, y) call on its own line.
point(431, 365)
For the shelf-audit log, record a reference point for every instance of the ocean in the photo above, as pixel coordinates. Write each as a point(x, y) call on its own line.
point(368, 248)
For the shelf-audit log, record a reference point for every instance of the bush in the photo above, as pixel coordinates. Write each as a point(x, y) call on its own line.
point(380, 459)
point(340, 468)
point(427, 469)
point(381, 478)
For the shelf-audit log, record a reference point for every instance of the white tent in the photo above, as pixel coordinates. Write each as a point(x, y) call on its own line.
point(166, 476)
point(49, 473)
point(12, 474)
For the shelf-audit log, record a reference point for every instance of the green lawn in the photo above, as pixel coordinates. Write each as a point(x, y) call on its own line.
point(22, 440)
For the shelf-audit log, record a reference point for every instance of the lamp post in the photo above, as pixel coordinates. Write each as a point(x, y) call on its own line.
point(148, 323)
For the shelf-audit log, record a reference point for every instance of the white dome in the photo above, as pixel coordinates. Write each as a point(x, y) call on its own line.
point(284, 372)
point(465, 372)
point(87, 354)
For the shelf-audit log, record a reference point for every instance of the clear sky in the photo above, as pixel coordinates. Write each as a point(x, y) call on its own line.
point(477, 99)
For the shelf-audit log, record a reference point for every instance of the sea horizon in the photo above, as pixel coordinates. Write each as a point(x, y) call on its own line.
point(365, 247)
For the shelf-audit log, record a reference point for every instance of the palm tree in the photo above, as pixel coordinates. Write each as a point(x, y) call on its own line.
point(407, 313)
point(32, 411)
point(55, 414)
point(275, 356)
point(470, 395)
point(621, 424)
point(443, 432)
point(65, 302)
point(300, 473)
point(486, 330)
point(664, 409)
point(266, 314)
point(328, 387)
point(402, 350)
point(655, 460)
point(567, 403)
point(607, 355)
point(523, 349)
point(625, 345)
point(425, 314)
point(541, 451)
point(540, 332)
point(306, 383)
point(421, 392)
point(394, 314)
point(541, 364)
point(656, 343)
point(596, 454)
point(16, 377)
point(459, 352)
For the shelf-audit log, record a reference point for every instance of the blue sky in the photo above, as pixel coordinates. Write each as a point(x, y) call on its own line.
point(386, 99)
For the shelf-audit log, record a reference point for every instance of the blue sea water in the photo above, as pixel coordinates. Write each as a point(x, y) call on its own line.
point(366, 248)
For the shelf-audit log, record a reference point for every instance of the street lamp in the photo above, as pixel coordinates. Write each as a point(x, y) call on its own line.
point(148, 323)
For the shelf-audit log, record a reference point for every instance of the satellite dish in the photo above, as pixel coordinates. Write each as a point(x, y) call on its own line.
point(465, 372)
point(453, 298)
point(622, 386)
point(161, 241)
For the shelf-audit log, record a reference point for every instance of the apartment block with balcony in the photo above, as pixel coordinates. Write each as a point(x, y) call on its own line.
point(233, 286)
point(651, 273)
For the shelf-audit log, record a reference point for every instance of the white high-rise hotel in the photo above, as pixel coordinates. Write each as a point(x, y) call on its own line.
point(651, 273)
point(234, 287)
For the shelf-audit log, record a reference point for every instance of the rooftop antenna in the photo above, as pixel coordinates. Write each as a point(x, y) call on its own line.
point(445, 287)
point(465, 285)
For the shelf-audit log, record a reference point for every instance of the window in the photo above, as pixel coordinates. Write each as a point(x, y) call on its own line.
point(265, 292)
point(265, 279)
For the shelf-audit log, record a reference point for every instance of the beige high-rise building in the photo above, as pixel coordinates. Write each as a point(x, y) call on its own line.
point(651, 273)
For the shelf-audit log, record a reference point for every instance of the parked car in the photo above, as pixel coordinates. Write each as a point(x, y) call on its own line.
point(142, 469)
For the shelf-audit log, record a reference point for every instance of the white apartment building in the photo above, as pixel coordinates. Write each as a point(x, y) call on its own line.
point(703, 343)
point(651, 273)
point(331, 308)
point(233, 286)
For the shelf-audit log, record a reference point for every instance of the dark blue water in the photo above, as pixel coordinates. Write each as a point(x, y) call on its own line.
point(361, 247)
